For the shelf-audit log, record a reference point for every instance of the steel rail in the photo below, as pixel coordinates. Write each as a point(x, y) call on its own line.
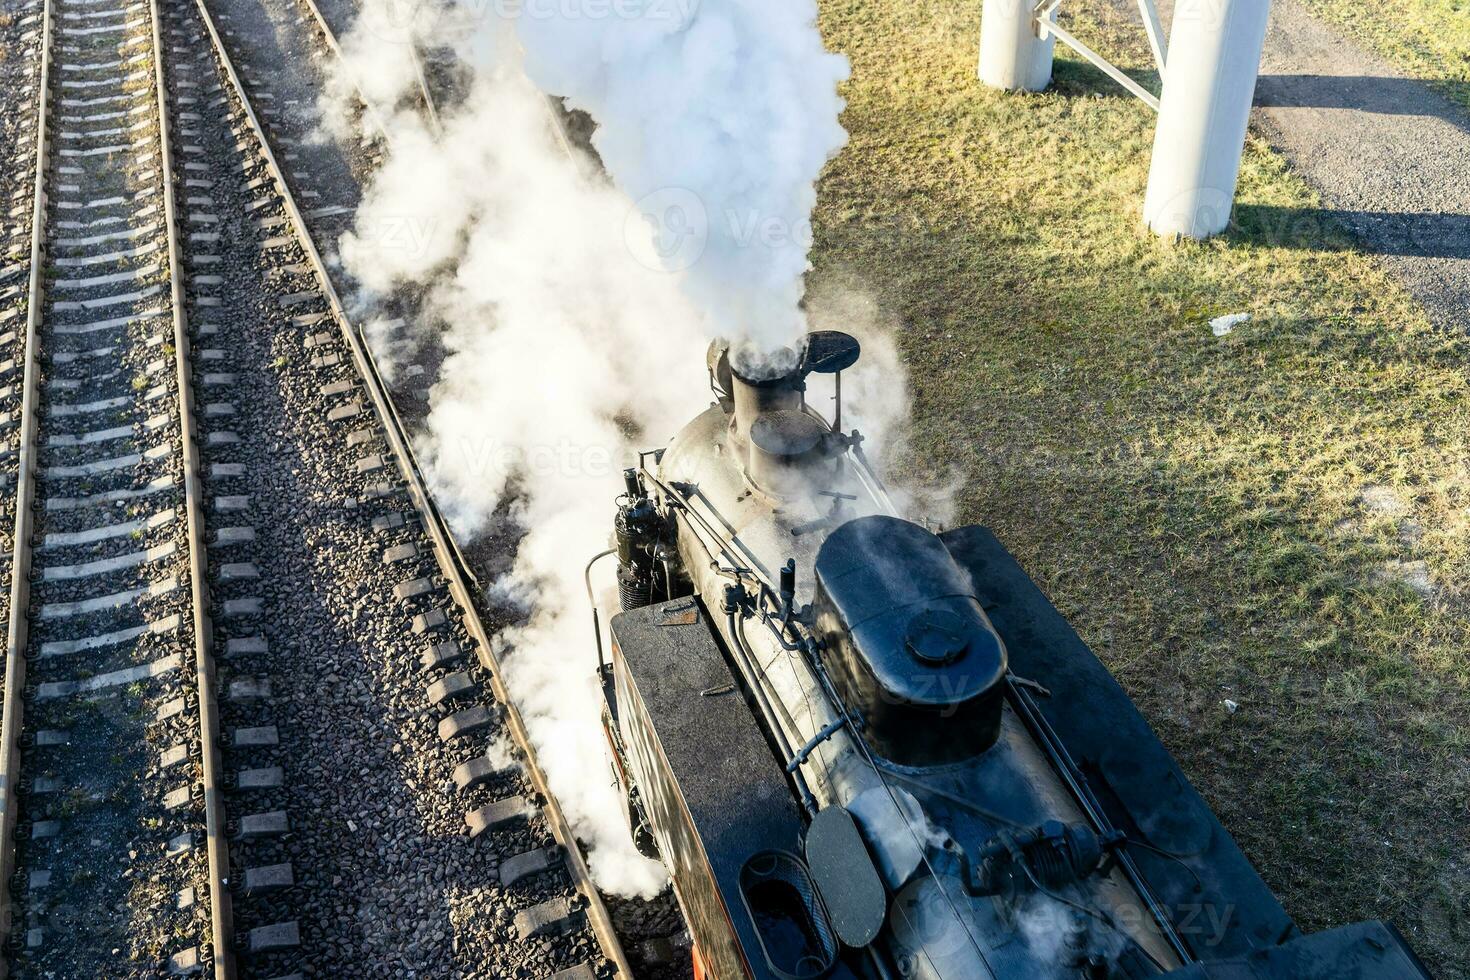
point(217, 847)
point(418, 69)
point(413, 51)
point(431, 108)
point(18, 628)
point(445, 552)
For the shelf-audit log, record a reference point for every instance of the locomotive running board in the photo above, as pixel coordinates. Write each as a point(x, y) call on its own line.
point(1215, 898)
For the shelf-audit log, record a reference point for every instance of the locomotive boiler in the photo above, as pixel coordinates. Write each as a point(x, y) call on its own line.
point(866, 749)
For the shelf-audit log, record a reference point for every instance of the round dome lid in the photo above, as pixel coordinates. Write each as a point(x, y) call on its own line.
point(936, 636)
point(786, 434)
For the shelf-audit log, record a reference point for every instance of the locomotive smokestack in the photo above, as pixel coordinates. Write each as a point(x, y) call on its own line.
point(777, 443)
point(781, 445)
point(754, 397)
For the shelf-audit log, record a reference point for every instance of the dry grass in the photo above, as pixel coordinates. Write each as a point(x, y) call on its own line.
point(1426, 39)
point(1233, 517)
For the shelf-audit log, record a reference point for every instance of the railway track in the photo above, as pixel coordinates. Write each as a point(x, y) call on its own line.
point(162, 807)
point(472, 715)
point(113, 821)
point(326, 18)
point(652, 931)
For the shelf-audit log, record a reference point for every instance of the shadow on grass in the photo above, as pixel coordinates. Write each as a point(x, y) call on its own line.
point(1381, 95)
point(1416, 234)
point(1074, 77)
point(1397, 233)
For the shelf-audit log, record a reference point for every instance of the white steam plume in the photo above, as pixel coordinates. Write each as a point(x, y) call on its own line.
point(717, 117)
point(875, 401)
point(546, 318)
point(575, 311)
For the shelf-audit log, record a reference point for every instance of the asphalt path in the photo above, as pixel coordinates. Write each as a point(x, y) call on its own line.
point(1389, 156)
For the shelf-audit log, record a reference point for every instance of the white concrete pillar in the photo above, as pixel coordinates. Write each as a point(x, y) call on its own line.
point(1214, 57)
point(1012, 57)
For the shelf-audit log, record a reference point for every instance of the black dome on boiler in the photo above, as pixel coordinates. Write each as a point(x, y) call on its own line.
point(911, 648)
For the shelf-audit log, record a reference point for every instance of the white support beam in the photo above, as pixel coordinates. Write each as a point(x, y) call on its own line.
point(1155, 30)
point(1214, 58)
point(1103, 65)
point(1014, 56)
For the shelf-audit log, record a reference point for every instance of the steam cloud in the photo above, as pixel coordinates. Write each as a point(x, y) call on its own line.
point(716, 117)
point(545, 316)
point(575, 310)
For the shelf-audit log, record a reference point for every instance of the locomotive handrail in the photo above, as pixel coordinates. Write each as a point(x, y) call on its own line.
point(1076, 782)
point(592, 601)
point(804, 647)
point(748, 664)
point(828, 730)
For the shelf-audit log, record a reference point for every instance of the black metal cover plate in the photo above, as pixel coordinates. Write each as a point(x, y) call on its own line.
point(830, 351)
point(1139, 784)
point(843, 870)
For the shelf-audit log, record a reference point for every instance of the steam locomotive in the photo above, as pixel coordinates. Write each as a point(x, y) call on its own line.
point(866, 750)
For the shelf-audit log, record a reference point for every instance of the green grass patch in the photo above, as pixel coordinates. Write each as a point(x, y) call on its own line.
point(1277, 517)
point(1426, 39)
